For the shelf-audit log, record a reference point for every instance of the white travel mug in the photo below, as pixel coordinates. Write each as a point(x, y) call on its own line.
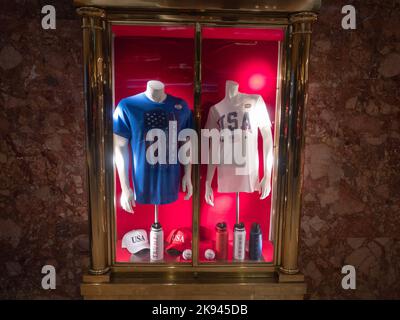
point(239, 242)
point(156, 243)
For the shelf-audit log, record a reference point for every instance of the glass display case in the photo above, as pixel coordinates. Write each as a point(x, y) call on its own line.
point(169, 89)
point(141, 54)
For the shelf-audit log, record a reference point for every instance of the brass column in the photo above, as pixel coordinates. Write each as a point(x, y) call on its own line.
point(95, 116)
point(197, 118)
point(300, 38)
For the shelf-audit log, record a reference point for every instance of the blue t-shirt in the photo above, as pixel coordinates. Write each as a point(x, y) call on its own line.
point(133, 118)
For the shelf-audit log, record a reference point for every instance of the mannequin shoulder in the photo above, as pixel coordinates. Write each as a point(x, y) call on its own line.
point(179, 104)
point(218, 107)
point(254, 100)
point(131, 102)
point(217, 110)
point(252, 97)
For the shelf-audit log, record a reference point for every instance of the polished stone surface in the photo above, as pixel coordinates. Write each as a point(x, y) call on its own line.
point(351, 197)
point(43, 204)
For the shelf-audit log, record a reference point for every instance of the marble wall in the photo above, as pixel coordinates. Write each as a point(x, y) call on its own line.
point(43, 204)
point(351, 200)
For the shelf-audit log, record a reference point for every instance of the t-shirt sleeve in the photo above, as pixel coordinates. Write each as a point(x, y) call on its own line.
point(121, 125)
point(190, 120)
point(262, 114)
point(211, 120)
point(189, 123)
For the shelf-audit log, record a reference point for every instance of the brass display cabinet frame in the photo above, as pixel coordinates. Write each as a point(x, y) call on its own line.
point(106, 277)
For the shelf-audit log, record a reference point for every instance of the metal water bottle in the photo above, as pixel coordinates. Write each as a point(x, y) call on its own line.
point(255, 247)
point(221, 241)
point(156, 242)
point(239, 242)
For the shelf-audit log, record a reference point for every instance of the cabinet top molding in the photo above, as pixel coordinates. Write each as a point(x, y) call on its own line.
point(207, 5)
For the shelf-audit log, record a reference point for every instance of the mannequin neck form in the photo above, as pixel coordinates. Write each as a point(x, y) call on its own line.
point(231, 89)
point(155, 91)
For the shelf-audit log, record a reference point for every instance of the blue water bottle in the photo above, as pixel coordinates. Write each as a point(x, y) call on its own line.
point(255, 246)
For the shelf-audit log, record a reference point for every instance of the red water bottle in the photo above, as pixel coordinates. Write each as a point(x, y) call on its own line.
point(221, 241)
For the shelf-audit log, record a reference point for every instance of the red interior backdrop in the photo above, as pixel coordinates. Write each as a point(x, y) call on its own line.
point(246, 55)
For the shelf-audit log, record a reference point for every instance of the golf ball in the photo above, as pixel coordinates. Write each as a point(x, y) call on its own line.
point(187, 254)
point(209, 254)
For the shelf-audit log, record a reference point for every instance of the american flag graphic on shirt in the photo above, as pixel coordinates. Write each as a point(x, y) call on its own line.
point(159, 119)
point(156, 119)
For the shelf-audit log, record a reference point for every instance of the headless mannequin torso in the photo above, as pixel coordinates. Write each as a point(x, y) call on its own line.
point(155, 91)
point(232, 93)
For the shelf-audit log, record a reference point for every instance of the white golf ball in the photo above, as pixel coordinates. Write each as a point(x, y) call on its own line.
point(209, 254)
point(187, 254)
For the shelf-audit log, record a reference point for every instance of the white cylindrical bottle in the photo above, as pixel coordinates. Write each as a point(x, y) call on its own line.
point(156, 243)
point(239, 242)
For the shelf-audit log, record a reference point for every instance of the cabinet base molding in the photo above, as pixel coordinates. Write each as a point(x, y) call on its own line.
point(129, 288)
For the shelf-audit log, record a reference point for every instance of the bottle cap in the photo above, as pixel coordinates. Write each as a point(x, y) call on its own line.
point(239, 226)
point(221, 226)
point(255, 228)
point(156, 226)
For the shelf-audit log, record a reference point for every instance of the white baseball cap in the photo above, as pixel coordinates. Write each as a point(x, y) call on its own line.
point(135, 241)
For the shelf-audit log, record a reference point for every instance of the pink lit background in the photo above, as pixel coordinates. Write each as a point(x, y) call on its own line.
point(248, 56)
